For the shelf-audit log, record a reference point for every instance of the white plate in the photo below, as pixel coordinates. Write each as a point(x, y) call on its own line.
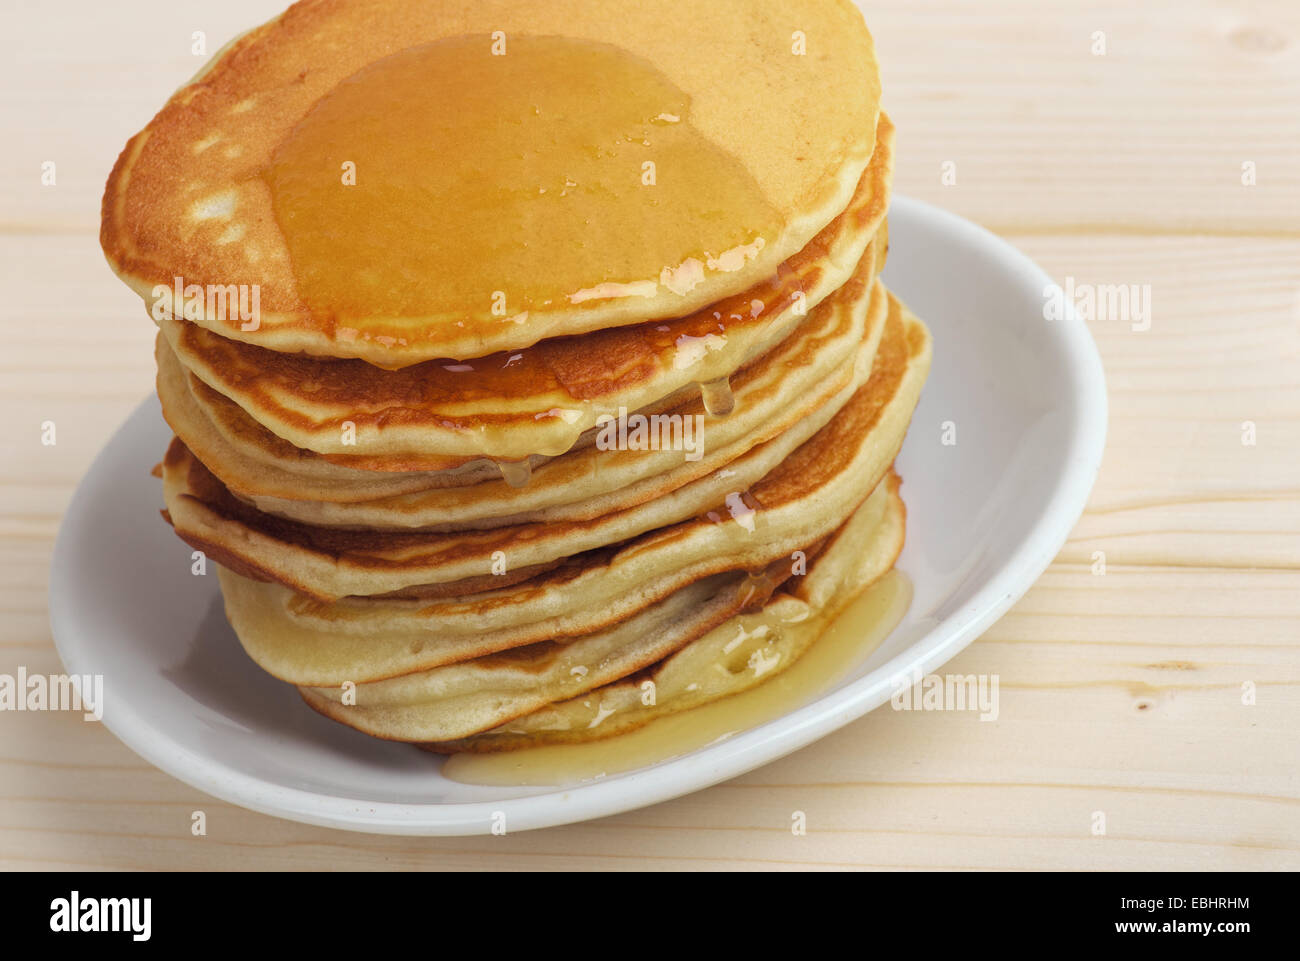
point(985, 517)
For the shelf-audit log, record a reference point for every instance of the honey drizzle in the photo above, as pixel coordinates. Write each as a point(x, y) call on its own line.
point(717, 396)
point(447, 181)
point(516, 473)
point(844, 642)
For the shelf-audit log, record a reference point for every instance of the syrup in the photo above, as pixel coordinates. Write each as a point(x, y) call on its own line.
point(844, 642)
point(449, 181)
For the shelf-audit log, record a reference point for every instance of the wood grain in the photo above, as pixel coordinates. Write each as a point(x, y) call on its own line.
point(1120, 692)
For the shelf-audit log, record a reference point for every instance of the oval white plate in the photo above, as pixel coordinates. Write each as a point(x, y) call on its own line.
point(985, 517)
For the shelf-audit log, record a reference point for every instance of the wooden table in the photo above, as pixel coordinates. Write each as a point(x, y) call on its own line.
point(1121, 693)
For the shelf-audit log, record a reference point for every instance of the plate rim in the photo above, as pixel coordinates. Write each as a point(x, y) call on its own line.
point(714, 763)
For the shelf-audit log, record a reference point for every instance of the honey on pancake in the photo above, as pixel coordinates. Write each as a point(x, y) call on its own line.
point(757, 587)
point(717, 397)
point(844, 643)
point(487, 176)
point(516, 473)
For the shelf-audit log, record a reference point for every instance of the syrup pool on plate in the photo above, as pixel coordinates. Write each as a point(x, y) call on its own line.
point(844, 643)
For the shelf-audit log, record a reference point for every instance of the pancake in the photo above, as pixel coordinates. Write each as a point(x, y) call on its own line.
point(466, 698)
point(296, 637)
point(739, 654)
point(827, 357)
point(413, 263)
point(326, 643)
point(508, 406)
point(794, 492)
point(242, 179)
point(461, 699)
point(255, 462)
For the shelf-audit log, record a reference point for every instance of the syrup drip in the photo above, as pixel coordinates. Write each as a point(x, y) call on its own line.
point(844, 643)
point(516, 473)
point(718, 399)
point(757, 587)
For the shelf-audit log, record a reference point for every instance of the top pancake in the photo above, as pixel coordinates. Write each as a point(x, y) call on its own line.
point(518, 171)
point(538, 400)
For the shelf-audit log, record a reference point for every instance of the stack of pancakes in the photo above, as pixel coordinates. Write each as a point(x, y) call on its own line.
point(571, 395)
